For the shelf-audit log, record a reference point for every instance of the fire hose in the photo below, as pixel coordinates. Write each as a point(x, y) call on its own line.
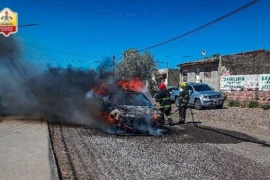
point(191, 112)
point(223, 133)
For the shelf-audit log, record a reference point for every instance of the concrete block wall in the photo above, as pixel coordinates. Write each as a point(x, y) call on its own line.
point(262, 97)
point(254, 62)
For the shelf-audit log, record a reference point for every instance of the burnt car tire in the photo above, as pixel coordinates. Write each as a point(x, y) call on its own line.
point(198, 104)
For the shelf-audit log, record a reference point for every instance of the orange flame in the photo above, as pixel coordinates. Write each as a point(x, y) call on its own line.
point(133, 84)
point(156, 115)
point(108, 117)
point(100, 90)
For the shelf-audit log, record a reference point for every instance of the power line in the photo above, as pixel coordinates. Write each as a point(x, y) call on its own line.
point(204, 26)
point(100, 12)
point(25, 25)
point(130, 31)
point(188, 11)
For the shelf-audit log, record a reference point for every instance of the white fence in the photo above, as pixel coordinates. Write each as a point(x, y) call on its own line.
point(239, 82)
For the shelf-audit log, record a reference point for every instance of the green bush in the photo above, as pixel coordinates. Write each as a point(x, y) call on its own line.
point(233, 103)
point(244, 104)
point(265, 106)
point(248, 104)
point(253, 104)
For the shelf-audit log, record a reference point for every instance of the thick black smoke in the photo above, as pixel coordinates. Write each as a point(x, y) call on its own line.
point(58, 94)
point(61, 95)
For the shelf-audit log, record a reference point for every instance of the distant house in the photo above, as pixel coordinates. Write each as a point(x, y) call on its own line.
point(169, 76)
point(205, 71)
point(211, 70)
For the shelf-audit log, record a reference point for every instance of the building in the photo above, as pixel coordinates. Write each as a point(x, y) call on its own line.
point(169, 76)
point(205, 71)
point(252, 66)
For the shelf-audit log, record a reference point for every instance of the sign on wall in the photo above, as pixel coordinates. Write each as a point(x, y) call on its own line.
point(239, 82)
point(264, 82)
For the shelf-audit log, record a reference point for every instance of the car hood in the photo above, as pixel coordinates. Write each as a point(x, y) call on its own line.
point(207, 93)
point(137, 110)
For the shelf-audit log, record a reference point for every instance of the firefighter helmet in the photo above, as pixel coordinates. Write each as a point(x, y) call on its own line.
point(162, 86)
point(183, 85)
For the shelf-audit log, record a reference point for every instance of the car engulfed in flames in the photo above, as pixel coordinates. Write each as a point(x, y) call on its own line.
point(133, 112)
point(127, 110)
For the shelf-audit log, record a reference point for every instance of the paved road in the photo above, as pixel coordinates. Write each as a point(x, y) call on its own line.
point(186, 152)
point(25, 151)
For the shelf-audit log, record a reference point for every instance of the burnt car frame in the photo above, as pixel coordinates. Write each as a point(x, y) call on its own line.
point(131, 111)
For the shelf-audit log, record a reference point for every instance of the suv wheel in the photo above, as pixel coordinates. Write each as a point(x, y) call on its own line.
point(219, 106)
point(198, 104)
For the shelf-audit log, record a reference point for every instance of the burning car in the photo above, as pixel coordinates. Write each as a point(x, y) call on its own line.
point(132, 111)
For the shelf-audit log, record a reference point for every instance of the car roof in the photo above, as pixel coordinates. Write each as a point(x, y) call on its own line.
point(194, 83)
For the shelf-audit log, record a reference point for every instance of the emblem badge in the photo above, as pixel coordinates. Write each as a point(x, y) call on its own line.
point(8, 22)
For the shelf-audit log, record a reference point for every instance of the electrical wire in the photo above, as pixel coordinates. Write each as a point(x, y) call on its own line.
point(26, 25)
point(203, 26)
point(148, 26)
point(100, 12)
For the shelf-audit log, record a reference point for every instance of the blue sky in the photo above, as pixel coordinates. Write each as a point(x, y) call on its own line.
point(82, 33)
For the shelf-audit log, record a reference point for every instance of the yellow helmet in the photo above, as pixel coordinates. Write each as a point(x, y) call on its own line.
point(183, 85)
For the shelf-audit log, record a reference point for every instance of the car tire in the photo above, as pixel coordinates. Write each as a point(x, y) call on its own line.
point(219, 106)
point(198, 104)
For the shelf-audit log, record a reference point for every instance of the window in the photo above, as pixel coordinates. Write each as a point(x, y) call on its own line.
point(202, 87)
point(190, 88)
point(207, 72)
point(184, 76)
point(198, 71)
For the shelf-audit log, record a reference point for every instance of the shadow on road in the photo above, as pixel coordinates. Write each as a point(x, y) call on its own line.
point(185, 133)
point(204, 134)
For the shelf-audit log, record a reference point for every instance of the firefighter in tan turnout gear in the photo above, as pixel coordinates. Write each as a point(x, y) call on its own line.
point(183, 103)
point(163, 97)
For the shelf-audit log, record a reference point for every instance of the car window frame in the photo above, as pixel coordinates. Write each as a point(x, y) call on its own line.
point(189, 87)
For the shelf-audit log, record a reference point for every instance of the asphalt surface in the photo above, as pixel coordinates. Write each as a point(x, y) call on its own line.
point(25, 150)
point(186, 152)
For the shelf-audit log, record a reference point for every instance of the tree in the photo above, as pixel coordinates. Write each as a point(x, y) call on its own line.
point(216, 55)
point(136, 65)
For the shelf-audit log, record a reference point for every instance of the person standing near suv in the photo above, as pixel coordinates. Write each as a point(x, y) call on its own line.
point(183, 103)
point(163, 97)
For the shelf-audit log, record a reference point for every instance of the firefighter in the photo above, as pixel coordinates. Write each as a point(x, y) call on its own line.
point(183, 103)
point(163, 97)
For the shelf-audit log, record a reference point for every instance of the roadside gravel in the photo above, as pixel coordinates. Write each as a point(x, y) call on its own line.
point(186, 153)
point(251, 120)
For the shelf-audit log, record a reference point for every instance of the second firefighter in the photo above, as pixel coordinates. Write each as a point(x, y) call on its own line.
point(183, 103)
